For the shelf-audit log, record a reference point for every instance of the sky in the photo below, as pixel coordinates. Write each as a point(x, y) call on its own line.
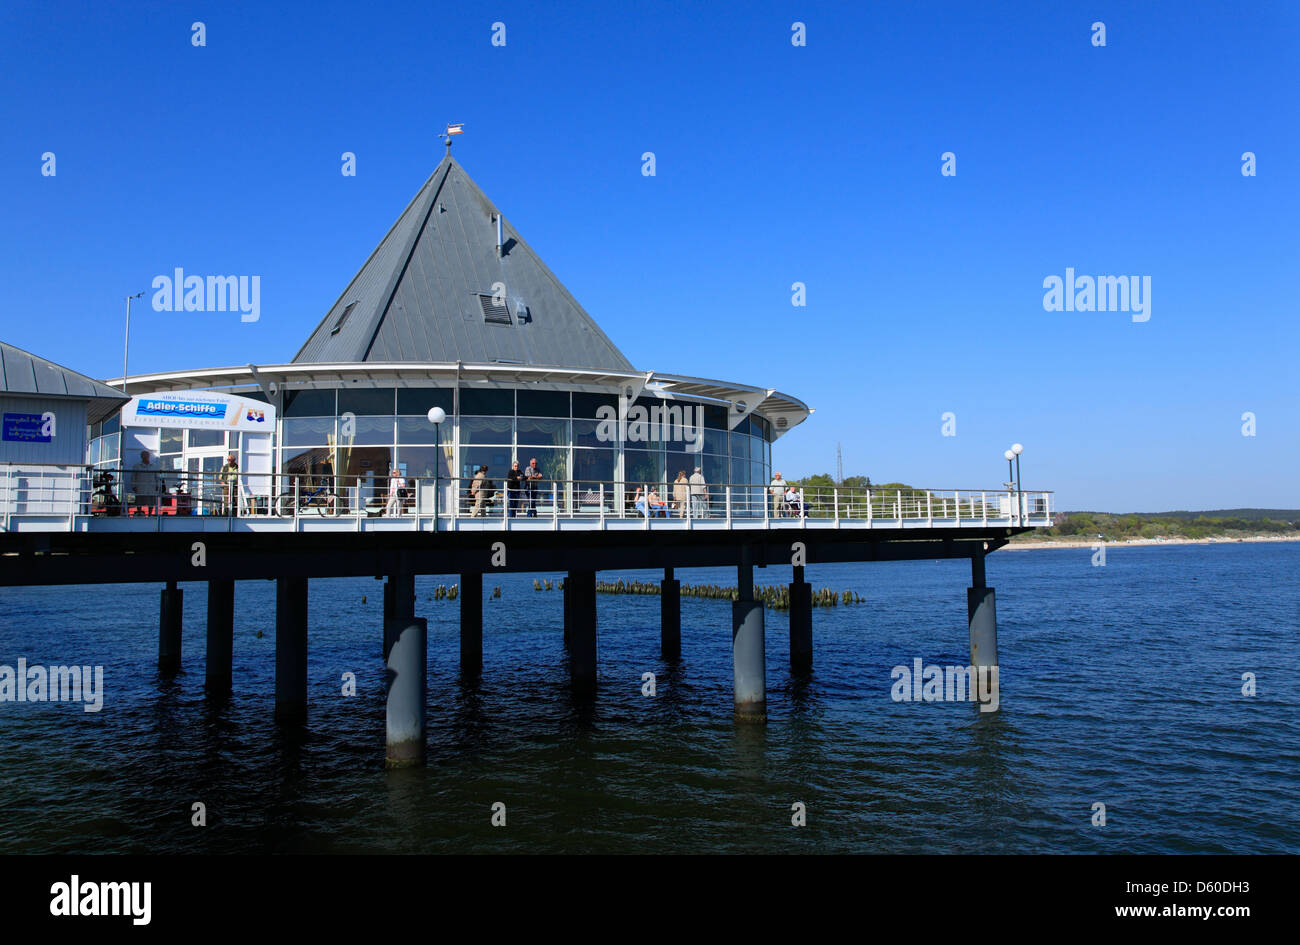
point(774, 164)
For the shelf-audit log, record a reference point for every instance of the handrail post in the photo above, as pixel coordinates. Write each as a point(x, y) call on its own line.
point(728, 504)
point(555, 506)
point(297, 498)
point(803, 508)
point(835, 498)
point(898, 505)
point(869, 512)
point(929, 509)
point(984, 507)
point(602, 506)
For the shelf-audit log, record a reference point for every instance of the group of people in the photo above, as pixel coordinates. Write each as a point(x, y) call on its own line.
point(521, 490)
point(692, 494)
point(786, 499)
point(145, 484)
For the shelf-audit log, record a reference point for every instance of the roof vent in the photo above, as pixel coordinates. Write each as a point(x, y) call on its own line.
point(342, 318)
point(495, 311)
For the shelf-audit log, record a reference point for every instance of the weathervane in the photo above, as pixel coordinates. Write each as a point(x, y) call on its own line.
point(453, 128)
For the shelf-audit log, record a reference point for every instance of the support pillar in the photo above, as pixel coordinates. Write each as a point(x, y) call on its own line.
point(801, 648)
point(169, 629)
point(747, 646)
point(568, 619)
point(981, 612)
point(408, 667)
point(471, 625)
point(291, 649)
point(670, 617)
point(221, 636)
point(582, 631)
point(388, 616)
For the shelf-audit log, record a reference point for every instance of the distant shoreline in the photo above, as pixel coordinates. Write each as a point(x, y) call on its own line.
point(1135, 542)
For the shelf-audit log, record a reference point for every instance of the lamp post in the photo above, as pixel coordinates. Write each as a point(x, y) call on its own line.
point(1017, 449)
point(1011, 483)
point(126, 345)
point(436, 416)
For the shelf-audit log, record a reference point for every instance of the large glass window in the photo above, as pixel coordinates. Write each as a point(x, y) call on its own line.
point(554, 464)
point(585, 405)
point(201, 439)
point(486, 429)
point(370, 402)
point(534, 432)
point(543, 403)
point(487, 401)
point(715, 441)
point(315, 431)
point(420, 430)
point(367, 431)
point(643, 466)
point(496, 458)
point(716, 417)
point(171, 440)
point(417, 401)
point(591, 467)
point(592, 433)
point(421, 462)
point(739, 446)
point(309, 403)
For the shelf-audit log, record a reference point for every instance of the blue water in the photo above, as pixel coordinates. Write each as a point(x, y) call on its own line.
point(1119, 684)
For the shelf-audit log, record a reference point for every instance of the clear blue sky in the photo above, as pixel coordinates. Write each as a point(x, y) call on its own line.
point(775, 164)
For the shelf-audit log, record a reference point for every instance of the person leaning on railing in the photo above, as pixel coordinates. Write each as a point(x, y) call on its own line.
point(229, 479)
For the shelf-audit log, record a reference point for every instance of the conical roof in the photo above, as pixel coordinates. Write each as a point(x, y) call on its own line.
point(437, 289)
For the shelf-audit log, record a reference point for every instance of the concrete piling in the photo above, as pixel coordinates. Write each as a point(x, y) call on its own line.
point(748, 647)
point(291, 649)
point(981, 612)
point(801, 649)
point(221, 637)
point(471, 625)
point(169, 629)
point(581, 586)
point(670, 616)
point(408, 667)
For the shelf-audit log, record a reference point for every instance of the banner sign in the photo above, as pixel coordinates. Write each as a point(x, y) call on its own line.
point(25, 428)
point(199, 410)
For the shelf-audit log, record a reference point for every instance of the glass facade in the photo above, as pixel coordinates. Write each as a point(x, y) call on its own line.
point(358, 438)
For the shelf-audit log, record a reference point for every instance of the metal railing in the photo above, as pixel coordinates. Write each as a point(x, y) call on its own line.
point(58, 497)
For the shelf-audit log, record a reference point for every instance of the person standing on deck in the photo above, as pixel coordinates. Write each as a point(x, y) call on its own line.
point(144, 482)
point(699, 493)
point(778, 494)
point(532, 475)
point(229, 479)
point(514, 488)
point(478, 492)
point(681, 493)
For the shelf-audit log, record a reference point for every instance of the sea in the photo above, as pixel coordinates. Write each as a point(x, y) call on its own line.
point(1147, 705)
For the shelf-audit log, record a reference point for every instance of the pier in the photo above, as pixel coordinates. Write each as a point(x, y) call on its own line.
point(175, 550)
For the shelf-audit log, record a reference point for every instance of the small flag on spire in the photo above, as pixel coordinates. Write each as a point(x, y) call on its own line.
point(456, 128)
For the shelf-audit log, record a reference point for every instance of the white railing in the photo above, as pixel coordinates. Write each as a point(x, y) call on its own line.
point(59, 498)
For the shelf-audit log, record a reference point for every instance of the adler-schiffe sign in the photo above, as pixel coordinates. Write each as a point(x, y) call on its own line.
point(199, 410)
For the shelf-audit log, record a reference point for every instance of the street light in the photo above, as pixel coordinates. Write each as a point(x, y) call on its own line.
point(126, 345)
point(1017, 449)
point(436, 416)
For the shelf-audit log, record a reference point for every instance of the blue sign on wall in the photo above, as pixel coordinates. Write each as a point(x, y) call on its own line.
point(24, 428)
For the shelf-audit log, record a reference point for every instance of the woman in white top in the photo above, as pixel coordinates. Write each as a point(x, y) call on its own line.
point(396, 483)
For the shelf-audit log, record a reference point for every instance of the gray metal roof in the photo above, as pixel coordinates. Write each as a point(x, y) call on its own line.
point(417, 296)
point(24, 373)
